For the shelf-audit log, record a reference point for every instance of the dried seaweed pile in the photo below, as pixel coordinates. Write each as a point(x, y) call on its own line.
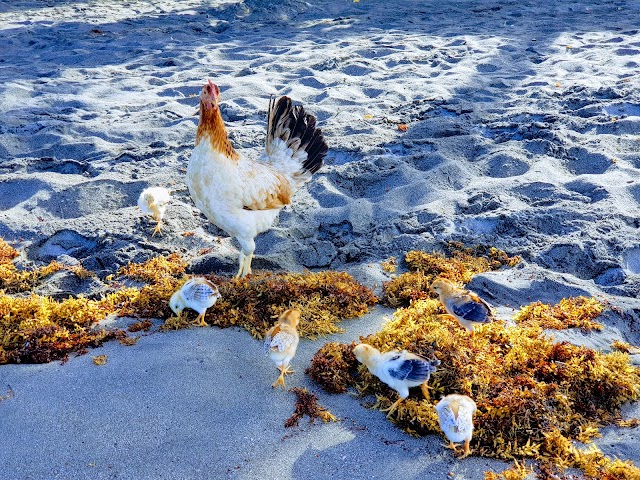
point(534, 396)
point(307, 404)
point(13, 280)
point(457, 263)
point(38, 329)
point(255, 302)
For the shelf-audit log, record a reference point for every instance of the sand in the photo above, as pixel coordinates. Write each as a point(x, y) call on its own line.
point(523, 132)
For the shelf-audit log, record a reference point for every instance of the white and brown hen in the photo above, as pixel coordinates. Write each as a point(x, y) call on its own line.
point(243, 196)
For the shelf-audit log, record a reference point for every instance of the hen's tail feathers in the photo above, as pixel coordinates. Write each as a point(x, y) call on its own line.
point(298, 130)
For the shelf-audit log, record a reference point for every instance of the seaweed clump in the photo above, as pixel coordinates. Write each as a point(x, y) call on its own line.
point(307, 404)
point(324, 298)
point(573, 312)
point(535, 397)
point(456, 263)
point(40, 329)
point(334, 367)
point(13, 280)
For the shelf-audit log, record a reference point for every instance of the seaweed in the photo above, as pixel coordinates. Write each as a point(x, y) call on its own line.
point(324, 298)
point(456, 263)
point(307, 404)
point(573, 312)
point(334, 367)
point(38, 329)
point(535, 397)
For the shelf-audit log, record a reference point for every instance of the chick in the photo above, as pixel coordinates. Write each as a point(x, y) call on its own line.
point(154, 201)
point(198, 294)
point(399, 370)
point(455, 414)
point(281, 343)
point(463, 305)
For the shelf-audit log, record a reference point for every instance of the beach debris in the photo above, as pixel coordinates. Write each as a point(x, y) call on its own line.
point(245, 197)
point(534, 396)
point(456, 263)
point(334, 367)
point(154, 201)
point(10, 394)
point(518, 471)
point(37, 329)
point(403, 127)
point(281, 343)
point(142, 325)
point(100, 360)
point(573, 312)
point(198, 294)
point(625, 347)
point(455, 415)
point(466, 307)
point(390, 265)
point(400, 370)
point(13, 280)
point(307, 404)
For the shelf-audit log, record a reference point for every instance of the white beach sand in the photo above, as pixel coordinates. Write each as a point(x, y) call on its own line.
point(523, 132)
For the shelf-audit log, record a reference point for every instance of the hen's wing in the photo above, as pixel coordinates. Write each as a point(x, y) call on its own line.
point(264, 188)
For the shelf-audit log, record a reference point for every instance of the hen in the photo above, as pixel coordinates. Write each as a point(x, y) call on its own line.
point(242, 196)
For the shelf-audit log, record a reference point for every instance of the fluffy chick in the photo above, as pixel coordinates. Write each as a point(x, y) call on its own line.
point(281, 343)
point(463, 305)
point(154, 201)
point(198, 294)
point(455, 414)
point(399, 370)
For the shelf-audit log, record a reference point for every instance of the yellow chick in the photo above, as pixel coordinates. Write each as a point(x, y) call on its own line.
point(455, 414)
point(399, 370)
point(463, 305)
point(154, 201)
point(281, 343)
point(198, 294)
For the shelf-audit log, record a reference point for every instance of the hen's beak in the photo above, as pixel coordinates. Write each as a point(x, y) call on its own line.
point(210, 95)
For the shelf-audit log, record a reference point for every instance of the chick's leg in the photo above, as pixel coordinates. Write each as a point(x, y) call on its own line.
point(425, 391)
point(451, 446)
point(280, 381)
point(158, 228)
point(393, 407)
point(467, 451)
point(200, 320)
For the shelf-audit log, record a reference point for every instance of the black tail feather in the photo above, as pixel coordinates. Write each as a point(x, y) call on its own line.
point(298, 128)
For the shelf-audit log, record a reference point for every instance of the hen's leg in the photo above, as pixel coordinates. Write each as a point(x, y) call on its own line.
point(247, 246)
point(241, 266)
